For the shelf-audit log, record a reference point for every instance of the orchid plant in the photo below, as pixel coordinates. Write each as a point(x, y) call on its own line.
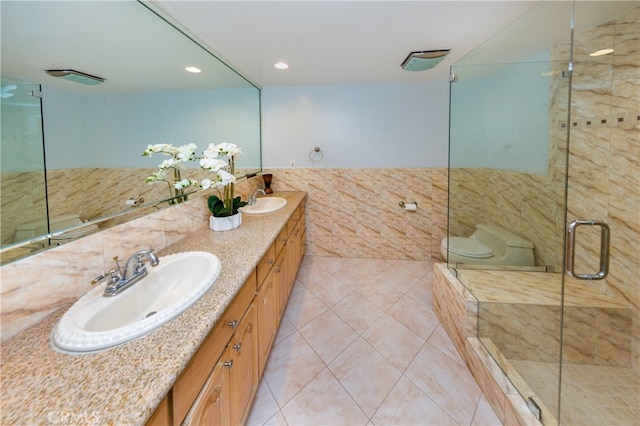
point(220, 159)
point(169, 169)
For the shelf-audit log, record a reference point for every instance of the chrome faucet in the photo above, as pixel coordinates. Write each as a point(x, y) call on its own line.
point(252, 199)
point(134, 270)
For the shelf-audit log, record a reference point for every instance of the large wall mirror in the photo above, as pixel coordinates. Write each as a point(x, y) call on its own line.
point(71, 147)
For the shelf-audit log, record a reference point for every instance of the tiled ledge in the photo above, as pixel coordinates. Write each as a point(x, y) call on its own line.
point(456, 308)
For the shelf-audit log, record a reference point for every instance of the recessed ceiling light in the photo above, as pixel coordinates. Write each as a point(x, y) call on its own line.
point(193, 69)
point(601, 52)
point(281, 66)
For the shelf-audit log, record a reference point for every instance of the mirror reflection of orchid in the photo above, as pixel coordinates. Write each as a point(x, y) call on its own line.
point(169, 169)
point(220, 159)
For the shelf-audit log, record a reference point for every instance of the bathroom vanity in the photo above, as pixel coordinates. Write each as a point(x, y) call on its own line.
point(203, 366)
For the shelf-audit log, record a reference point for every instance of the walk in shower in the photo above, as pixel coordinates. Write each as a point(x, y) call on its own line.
point(545, 139)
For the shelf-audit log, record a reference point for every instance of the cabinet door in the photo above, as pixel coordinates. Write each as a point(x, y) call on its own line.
point(282, 279)
point(267, 302)
point(212, 407)
point(243, 373)
point(265, 264)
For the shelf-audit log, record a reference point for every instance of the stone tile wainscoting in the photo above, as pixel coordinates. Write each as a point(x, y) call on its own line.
point(355, 212)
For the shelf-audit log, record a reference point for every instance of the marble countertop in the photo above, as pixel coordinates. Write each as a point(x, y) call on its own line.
point(124, 385)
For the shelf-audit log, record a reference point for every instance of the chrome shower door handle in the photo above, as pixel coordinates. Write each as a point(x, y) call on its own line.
point(604, 249)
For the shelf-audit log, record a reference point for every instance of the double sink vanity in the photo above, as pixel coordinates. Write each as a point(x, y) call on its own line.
point(196, 357)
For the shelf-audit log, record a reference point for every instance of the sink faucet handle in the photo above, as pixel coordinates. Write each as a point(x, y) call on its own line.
point(112, 275)
point(115, 258)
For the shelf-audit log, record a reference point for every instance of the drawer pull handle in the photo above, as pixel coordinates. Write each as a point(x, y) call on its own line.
point(232, 324)
point(237, 347)
point(228, 364)
point(270, 262)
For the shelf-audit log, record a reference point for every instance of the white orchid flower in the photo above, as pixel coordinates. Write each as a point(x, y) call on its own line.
point(187, 152)
point(225, 178)
point(167, 164)
point(185, 183)
point(227, 149)
point(213, 164)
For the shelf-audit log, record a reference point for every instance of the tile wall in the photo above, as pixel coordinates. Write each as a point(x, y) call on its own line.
point(355, 212)
point(351, 213)
point(34, 287)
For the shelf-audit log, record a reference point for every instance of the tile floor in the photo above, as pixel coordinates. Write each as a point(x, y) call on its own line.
point(359, 344)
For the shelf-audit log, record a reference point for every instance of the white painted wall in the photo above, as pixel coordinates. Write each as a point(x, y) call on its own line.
point(358, 126)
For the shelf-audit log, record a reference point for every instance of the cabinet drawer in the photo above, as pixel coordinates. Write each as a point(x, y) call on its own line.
point(265, 264)
point(188, 385)
point(280, 241)
point(293, 221)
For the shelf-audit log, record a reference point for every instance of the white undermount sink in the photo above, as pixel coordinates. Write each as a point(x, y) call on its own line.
point(96, 322)
point(265, 205)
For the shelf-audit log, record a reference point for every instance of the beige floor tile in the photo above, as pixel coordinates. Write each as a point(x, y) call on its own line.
point(400, 279)
point(422, 291)
point(334, 264)
point(297, 286)
point(333, 302)
point(448, 383)
point(417, 268)
point(394, 341)
point(354, 277)
point(408, 405)
point(358, 312)
point(264, 406)
point(292, 364)
point(277, 420)
point(484, 415)
point(302, 307)
point(323, 402)
point(330, 290)
point(374, 266)
point(381, 294)
point(285, 330)
point(354, 369)
point(441, 341)
point(328, 335)
point(311, 271)
point(414, 315)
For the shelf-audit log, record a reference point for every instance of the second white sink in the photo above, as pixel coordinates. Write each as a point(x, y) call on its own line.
point(96, 322)
point(265, 205)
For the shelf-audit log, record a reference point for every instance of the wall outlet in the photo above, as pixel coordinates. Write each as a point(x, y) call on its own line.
point(292, 164)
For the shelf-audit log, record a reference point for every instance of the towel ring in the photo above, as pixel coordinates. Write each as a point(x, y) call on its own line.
point(316, 154)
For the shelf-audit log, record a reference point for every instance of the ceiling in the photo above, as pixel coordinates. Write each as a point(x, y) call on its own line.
point(341, 42)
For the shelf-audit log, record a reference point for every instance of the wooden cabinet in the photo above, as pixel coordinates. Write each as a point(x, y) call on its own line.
point(267, 302)
point(188, 386)
point(213, 405)
point(162, 415)
point(243, 367)
point(220, 382)
point(282, 280)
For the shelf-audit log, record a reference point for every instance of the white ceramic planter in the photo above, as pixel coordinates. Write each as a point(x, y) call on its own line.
point(225, 223)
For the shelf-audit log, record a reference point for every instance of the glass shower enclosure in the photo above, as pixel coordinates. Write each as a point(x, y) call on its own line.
point(22, 171)
point(545, 145)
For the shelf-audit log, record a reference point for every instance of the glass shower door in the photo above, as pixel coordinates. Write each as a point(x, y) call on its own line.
point(22, 170)
point(601, 319)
